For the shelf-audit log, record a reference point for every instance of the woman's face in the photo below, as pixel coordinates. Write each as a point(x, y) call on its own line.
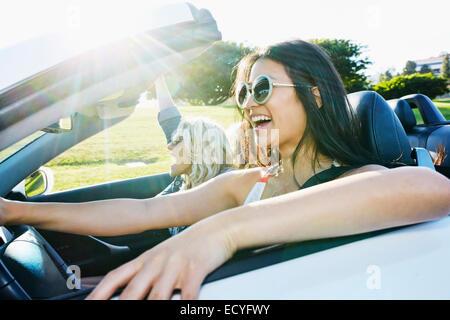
point(285, 111)
point(181, 163)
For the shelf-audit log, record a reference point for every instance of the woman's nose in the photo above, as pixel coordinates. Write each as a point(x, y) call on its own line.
point(250, 103)
point(249, 111)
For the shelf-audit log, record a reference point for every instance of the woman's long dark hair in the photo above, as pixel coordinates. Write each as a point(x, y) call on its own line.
point(334, 128)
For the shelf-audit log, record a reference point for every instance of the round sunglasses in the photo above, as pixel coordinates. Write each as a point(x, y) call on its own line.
point(175, 141)
point(261, 90)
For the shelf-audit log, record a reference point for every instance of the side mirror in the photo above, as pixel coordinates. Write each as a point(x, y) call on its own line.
point(62, 126)
point(39, 182)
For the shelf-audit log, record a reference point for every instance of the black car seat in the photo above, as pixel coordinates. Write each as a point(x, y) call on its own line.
point(433, 134)
point(430, 114)
point(383, 132)
point(416, 136)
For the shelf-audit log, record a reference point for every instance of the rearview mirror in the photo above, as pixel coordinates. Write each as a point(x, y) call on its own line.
point(62, 126)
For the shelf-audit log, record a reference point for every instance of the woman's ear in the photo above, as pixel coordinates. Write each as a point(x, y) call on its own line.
point(315, 91)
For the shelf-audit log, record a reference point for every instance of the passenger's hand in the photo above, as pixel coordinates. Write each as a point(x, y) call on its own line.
point(180, 262)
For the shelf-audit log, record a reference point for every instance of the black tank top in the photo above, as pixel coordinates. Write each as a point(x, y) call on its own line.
point(327, 175)
point(321, 177)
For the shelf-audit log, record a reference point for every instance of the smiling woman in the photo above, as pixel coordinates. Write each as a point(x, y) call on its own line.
point(325, 187)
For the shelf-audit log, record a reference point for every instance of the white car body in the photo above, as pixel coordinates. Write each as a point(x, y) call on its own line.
point(409, 263)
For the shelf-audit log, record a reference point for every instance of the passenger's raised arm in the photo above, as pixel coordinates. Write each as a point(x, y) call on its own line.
point(162, 94)
point(168, 117)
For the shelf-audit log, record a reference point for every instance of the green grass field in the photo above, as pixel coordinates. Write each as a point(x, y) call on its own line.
point(444, 107)
point(109, 155)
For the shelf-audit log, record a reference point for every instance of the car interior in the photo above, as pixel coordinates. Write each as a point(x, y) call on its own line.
point(433, 134)
point(35, 263)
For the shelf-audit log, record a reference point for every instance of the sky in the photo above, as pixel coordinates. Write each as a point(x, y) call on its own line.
point(393, 31)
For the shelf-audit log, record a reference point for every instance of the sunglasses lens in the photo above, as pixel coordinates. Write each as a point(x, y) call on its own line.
point(176, 140)
point(262, 89)
point(241, 95)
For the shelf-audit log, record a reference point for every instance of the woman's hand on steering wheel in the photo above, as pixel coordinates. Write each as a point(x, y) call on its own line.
point(181, 262)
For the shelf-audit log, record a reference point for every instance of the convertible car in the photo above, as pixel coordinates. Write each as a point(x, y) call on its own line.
point(410, 262)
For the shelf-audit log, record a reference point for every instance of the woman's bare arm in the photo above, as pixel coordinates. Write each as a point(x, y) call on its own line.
point(127, 216)
point(216, 195)
point(355, 204)
point(102, 218)
point(369, 200)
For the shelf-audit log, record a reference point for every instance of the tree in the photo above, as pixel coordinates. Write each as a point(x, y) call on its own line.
point(425, 69)
point(207, 80)
point(346, 58)
point(427, 84)
point(410, 68)
point(385, 76)
point(445, 70)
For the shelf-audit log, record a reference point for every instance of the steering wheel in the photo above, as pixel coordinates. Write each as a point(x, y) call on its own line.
point(30, 268)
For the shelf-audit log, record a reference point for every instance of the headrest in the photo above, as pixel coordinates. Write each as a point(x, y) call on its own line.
point(404, 113)
point(382, 131)
point(428, 110)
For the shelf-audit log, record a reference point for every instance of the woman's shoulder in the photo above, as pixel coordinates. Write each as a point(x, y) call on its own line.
point(244, 174)
point(239, 182)
point(362, 169)
point(227, 169)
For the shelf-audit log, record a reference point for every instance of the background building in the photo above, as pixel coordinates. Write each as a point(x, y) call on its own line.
point(435, 64)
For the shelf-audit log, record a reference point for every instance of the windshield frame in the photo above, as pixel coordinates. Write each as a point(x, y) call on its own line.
point(19, 145)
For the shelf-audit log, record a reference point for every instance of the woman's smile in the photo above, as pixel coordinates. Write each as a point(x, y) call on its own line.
point(261, 121)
